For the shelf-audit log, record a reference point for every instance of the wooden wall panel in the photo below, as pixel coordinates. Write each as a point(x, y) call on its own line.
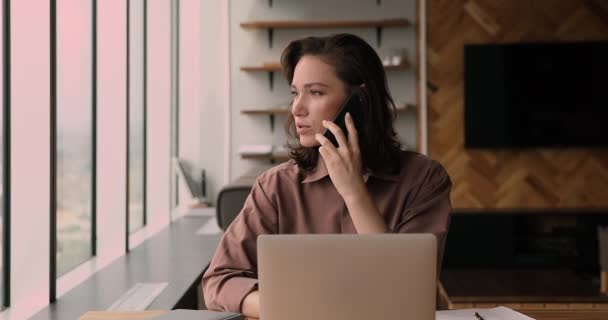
point(537, 178)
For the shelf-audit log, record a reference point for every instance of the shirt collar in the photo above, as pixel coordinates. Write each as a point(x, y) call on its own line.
point(321, 172)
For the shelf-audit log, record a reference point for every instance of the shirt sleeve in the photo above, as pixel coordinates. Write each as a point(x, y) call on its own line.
point(232, 273)
point(430, 208)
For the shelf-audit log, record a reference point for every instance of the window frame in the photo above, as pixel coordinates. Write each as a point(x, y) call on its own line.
point(6, 154)
point(175, 102)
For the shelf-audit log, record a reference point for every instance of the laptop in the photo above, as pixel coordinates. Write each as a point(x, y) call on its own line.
point(347, 277)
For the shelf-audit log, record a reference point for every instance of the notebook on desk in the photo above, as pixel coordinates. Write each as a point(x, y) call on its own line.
point(498, 313)
point(182, 314)
point(160, 315)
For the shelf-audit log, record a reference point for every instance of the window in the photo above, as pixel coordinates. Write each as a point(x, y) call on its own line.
point(3, 181)
point(137, 116)
point(175, 95)
point(75, 134)
point(150, 81)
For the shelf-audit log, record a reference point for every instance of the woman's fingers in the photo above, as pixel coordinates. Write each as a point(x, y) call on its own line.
point(327, 148)
point(342, 142)
point(353, 137)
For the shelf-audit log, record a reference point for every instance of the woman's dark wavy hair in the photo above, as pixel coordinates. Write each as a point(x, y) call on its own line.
point(355, 63)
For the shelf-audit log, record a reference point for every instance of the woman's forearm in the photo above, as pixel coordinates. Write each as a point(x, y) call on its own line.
point(365, 215)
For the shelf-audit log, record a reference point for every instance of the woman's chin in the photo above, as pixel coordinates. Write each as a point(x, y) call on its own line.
point(308, 142)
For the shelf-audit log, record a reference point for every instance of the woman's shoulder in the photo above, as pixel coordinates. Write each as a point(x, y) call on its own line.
point(280, 174)
point(417, 167)
point(415, 158)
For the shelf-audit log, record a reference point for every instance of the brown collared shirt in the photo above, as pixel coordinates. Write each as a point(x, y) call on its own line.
point(285, 200)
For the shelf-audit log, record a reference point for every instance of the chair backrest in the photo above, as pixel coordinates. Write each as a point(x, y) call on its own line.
point(231, 198)
point(230, 201)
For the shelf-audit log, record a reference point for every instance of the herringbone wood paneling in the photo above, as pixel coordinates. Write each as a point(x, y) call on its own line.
point(568, 178)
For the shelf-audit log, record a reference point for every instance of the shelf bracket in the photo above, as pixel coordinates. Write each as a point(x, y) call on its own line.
point(378, 2)
point(270, 3)
point(271, 79)
point(271, 122)
point(379, 36)
point(270, 35)
point(432, 86)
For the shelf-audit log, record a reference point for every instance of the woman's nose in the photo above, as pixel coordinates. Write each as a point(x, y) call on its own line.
point(298, 107)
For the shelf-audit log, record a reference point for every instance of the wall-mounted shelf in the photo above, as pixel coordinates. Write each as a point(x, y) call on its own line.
point(265, 111)
point(406, 107)
point(278, 111)
point(289, 24)
point(273, 112)
point(378, 2)
point(269, 67)
point(255, 27)
point(272, 67)
point(298, 24)
point(269, 157)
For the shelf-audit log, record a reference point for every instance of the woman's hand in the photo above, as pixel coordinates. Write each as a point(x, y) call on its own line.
point(346, 172)
point(343, 163)
point(250, 307)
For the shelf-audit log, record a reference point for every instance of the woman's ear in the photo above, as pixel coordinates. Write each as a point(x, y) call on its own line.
point(363, 88)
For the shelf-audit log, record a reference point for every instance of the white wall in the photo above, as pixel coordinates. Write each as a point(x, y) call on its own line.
point(250, 47)
point(211, 136)
point(225, 88)
point(158, 111)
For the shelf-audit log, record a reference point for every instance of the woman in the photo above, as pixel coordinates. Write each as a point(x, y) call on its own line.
point(365, 185)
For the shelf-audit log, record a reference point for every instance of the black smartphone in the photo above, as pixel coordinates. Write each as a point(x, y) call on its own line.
point(352, 105)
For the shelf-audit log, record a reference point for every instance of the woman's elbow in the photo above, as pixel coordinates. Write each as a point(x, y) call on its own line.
point(210, 295)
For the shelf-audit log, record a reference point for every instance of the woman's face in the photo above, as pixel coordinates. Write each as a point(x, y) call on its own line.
point(317, 95)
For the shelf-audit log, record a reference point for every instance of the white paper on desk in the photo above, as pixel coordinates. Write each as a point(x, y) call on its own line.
point(498, 313)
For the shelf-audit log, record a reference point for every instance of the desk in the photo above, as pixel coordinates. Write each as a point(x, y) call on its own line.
point(178, 243)
point(536, 314)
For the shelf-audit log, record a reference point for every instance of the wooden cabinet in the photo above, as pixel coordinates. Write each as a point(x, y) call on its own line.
point(527, 289)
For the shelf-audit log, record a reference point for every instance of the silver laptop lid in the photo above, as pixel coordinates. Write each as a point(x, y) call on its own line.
point(340, 277)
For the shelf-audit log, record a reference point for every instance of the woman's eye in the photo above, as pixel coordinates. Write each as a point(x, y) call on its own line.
point(293, 93)
point(316, 93)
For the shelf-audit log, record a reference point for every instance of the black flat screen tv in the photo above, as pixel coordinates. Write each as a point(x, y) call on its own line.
point(536, 95)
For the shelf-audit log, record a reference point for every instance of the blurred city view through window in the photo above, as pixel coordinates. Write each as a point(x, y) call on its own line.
point(136, 115)
point(74, 142)
point(74, 133)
